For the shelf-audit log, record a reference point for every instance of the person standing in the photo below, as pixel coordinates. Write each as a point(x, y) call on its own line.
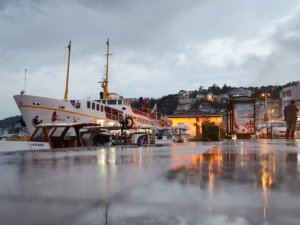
point(290, 116)
point(36, 120)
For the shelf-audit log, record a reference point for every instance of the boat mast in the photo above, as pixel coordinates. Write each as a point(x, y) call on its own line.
point(105, 81)
point(24, 91)
point(25, 81)
point(68, 69)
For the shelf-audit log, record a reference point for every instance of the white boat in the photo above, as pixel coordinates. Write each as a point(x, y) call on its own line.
point(11, 146)
point(107, 111)
point(60, 135)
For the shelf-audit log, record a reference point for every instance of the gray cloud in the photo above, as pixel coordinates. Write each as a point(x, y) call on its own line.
point(159, 47)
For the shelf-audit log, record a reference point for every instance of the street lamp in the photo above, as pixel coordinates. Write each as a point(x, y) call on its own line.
point(266, 95)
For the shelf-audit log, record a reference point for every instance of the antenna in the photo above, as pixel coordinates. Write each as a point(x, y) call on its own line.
point(25, 80)
point(23, 91)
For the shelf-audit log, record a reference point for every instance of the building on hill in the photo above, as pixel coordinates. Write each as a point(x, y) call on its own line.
point(194, 120)
point(184, 94)
point(222, 98)
point(207, 107)
point(200, 96)
point(184, 104)
point(210, 97)
point(290, 93)
point(240, 92)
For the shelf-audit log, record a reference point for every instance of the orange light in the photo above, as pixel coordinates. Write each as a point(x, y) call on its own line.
point(190, 121)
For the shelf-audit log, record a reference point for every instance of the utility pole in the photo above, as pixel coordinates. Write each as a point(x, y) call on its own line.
point(266, 95)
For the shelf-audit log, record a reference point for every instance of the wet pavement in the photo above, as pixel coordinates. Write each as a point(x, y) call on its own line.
point(237, 182)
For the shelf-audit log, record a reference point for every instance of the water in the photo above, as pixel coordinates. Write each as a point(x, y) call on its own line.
point(230, 182)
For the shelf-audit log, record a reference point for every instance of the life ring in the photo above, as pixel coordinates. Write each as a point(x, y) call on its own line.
point(129, 122)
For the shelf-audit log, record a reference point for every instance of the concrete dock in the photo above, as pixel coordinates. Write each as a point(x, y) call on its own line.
point(236, 182)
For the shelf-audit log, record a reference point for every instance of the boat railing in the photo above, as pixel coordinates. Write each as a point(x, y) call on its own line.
point(113, 117)
point(139, 112)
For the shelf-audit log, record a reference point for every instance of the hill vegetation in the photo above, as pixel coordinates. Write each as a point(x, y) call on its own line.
point(10, 121)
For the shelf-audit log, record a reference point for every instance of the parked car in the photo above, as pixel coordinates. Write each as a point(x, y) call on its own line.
point(276, 129)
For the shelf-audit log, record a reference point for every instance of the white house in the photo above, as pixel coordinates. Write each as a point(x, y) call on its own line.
point(240, 92)
point(290, 93)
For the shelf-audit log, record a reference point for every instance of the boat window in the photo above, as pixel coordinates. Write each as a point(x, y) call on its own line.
point(35, 103)
point(77, 106)
point(88, 104)
point(61, 107)
point(71, 132)
point(39, 135)
point(119, 102)
point(72, 102)
point(104, 101)
point(58, 132)
point(111, 102)
point(97, 107)
point(93, 105)
point(101, 108)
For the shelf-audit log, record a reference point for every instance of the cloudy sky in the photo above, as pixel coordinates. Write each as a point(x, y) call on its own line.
point(158, 47)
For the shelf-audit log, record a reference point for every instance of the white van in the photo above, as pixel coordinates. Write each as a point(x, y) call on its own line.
point(276, 129)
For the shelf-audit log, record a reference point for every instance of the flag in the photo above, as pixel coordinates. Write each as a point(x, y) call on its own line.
point(154, 109)
point(145, 102)
point(54, 117)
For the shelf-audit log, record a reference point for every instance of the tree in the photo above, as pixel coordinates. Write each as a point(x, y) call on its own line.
point(215, 89)
point(202, 90)
point(167, 104)
point(225, 89)
point(193, 94)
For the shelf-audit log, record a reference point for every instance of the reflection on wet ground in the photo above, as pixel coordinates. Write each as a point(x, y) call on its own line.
point(230, 182)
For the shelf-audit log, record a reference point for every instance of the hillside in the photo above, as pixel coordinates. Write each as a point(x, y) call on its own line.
point(167, 104)
point(10, 121)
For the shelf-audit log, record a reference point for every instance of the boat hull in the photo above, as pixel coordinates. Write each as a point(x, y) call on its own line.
point(48, 110)
point(36, 110)
point(10, 146)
